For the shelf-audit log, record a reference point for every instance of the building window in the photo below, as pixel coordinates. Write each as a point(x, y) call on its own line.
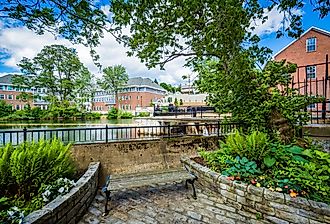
point(311, 44)
point(311, 72)
point(17, 107)
point(311, 106)
point(2, 96)
point(137, 97)
point(10, 88)
point(9, 97)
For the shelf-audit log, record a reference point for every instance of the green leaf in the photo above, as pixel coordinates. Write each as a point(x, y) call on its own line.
point(299, 158)
point(295, 150)
point(269, 161)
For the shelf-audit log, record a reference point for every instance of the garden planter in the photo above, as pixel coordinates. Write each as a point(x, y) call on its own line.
point(70, 207)
point(247, 203)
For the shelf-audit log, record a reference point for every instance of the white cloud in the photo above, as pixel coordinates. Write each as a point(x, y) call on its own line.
point(20, 42)
point(273, 23)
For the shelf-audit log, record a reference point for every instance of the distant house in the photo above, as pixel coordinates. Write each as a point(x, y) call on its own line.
point(310, 53)
point(103, 101)
point(9, 93)
point(140, 93)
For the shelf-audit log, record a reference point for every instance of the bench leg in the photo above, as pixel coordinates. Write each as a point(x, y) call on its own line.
point(107, 198)
point(192, 182)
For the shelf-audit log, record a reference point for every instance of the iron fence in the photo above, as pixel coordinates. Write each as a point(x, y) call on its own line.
point(110, 134)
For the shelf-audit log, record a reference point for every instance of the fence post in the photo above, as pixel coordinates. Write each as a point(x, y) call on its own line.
point(106, 134)
point(169, 130)
point(25, 134)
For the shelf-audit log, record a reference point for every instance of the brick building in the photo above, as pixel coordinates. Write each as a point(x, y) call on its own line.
point(309, 52)
point(103, 101)
point(140, 93)
point(9, 93)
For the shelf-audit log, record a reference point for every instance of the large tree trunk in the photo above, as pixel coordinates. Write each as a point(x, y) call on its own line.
point(278, 122)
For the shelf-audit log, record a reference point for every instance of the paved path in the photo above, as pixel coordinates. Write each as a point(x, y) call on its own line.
point(170, 203)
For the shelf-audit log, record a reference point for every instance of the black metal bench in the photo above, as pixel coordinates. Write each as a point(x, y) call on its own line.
point(144, 179)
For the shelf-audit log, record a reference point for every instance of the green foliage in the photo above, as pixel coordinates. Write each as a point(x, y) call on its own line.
point(253, 146)
point(269, 163)
point(125, 115)
point(242, 168)
point(114, 113)
point(256, 101)
point(113, 80)
point(5, 108)
point(169, 88)
point(80, 22)
point(144, 114)
point(29, 165)
point(59, 70)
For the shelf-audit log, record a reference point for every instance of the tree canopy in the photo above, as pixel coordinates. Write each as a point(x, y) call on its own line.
point(114, 78)
point(57, 69)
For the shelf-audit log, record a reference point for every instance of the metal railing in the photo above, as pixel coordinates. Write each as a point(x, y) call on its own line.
point(110, 134)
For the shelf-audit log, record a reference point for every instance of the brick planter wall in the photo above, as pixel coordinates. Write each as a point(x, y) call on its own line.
point(70, 207)
point(245, 203)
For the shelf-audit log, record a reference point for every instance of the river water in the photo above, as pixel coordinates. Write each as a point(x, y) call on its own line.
point(19, 125)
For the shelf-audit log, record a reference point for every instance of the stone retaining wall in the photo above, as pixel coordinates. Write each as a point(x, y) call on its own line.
point(136, 156)
point(70, 207)
point(249, 204)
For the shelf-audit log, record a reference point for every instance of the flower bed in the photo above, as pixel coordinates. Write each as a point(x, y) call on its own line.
point(71, 206)
point(247, 203)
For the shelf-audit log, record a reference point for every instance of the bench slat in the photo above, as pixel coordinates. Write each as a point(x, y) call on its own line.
point(153, 178)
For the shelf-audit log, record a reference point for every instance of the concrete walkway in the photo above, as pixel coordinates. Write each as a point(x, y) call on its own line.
point(170, 203)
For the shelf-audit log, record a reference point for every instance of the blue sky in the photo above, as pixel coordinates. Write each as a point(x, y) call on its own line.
point(17, 42)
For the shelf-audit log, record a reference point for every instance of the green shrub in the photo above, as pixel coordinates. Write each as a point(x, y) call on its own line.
point(254, 146)
point(284, 168)
point(113, 113)
point(29, 165)
point(125, 115)
point(144, 114)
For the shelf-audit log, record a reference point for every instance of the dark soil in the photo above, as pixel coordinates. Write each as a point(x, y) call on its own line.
point(200, 160)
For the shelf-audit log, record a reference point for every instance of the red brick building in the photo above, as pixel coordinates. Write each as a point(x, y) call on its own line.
point(10, 93)
point(137, 93)
point(309, 52)
point(140, 93)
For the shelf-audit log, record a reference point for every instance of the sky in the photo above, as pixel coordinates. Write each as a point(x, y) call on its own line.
point(19, 42)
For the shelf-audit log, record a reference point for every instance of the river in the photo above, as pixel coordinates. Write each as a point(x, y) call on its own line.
point(19, 125)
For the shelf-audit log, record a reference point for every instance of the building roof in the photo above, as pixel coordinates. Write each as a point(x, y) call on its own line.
point(6, 79)
point(313, 28)
point(139, 81)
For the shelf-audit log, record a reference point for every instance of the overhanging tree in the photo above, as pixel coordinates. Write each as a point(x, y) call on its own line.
point(216, 38)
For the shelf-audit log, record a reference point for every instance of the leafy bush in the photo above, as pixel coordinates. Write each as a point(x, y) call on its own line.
point(144, 114)
point(114, 113)
point(242, 168)
point(29, 170)
point(253, 146)
point(125, 115)
point(29, 165)
point(269, 163)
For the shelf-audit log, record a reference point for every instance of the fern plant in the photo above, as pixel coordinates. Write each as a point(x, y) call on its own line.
point(29, 165)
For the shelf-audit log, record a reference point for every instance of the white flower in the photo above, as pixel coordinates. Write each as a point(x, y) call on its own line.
point(15, 208)
point(46, 193)
point(44, 198)
point(10, 213)
point(61, 190)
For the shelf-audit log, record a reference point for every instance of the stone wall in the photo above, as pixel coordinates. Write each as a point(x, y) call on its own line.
point(140, 155)
point(249, 204)
point(70, 207)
